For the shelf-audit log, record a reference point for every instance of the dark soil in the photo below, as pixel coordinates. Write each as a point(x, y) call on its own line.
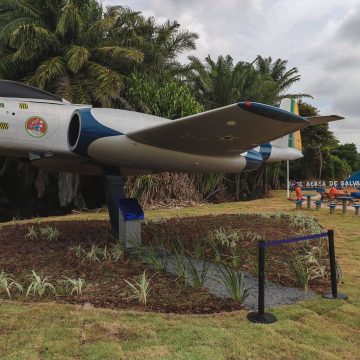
point(107, 288)
point(106, 280)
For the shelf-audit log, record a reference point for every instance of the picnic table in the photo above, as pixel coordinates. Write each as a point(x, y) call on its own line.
point(344, 200)
point(308, 199)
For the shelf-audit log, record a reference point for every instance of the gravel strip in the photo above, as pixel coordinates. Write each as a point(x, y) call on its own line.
point(275, 294)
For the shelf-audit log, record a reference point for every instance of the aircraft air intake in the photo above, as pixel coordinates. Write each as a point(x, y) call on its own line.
point(84, 129)
point(253, 160)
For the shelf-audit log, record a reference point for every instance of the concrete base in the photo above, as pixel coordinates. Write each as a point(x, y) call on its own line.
point(130, 233)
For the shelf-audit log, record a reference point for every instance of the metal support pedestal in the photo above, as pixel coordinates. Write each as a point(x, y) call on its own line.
point(261, 316)
point(114, 190)
point(265, 318)
point(339, 296)
point(334, 294)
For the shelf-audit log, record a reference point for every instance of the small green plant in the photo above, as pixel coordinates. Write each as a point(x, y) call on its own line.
point(198, 277)
point(78, 250)
point(217, 256)
point(180, 268)
point(304, 224)
point(49, 233)
point(94, 254)
point(226, 236)
point(116, 251)
point(251, 235)
point(234, 283)
point(73, 285)
point(151, 257)
point(39, 285)
point(179, 257)
point(105, 253)
point(234, 257)
point(198, 250)
point(31, 234)
point(7, 283)
point(140, 289)
point(306, 266)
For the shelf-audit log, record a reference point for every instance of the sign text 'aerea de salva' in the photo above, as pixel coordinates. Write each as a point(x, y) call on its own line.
point(321, 183)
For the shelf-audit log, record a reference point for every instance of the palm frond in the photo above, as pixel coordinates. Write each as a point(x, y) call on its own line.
point(106, 83)
point(48, 71)
point(19, 5)
point(8, 29)
point(76, 57)
point(117, 53)
point(9, 67)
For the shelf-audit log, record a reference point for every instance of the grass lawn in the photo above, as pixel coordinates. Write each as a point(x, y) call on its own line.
point(316, 329)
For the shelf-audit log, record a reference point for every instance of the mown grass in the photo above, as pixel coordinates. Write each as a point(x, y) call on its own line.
point(316, 329)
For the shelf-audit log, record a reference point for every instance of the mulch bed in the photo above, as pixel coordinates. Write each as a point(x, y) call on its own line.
point(107, 288)
point(106, 280)
point(193, 232)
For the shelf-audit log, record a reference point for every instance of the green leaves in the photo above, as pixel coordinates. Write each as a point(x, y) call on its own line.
point(171, 99)
point(76, 57)
point(116, 54)
point(140, 289)
point(47, 72)
point(7, 283)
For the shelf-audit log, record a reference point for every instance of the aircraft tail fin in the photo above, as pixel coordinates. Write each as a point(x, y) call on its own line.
point(294, 139)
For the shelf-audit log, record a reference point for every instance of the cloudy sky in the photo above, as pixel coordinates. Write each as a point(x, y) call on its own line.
point(321, 38)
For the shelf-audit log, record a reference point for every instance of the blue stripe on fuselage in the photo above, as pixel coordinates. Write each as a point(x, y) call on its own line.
point(265, 151)
point(91, 130)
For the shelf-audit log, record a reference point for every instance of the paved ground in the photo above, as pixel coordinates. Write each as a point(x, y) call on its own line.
point(275, 294)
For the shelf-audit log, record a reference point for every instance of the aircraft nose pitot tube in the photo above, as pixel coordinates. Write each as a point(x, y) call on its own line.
point(84, 129)
point(253, 160)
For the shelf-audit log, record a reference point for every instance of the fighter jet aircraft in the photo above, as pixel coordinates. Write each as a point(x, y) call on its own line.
point(55, 134)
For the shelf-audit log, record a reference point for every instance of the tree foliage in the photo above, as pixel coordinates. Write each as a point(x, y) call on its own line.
point(117, 57)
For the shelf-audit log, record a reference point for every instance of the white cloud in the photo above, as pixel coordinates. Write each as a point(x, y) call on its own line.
point(321, 38)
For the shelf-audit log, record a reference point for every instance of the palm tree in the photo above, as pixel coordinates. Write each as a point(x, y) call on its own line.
point(278, 72)
point(221, 82)
point(65, 46)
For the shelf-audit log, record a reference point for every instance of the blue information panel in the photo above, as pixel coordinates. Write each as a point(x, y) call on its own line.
point(131, 209)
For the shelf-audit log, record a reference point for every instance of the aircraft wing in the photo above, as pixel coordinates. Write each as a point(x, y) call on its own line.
point(321, 120)
point(224, 131)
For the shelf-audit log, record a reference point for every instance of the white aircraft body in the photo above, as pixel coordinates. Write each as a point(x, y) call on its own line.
point(58, 135)
point(55, 134)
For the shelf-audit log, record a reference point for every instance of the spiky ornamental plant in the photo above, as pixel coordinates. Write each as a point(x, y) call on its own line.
point(140, 289)
point(7, 283)
point(39, 285)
